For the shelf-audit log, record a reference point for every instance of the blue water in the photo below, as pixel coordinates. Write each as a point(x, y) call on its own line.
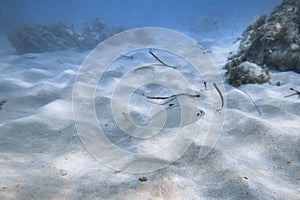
point(230, 16)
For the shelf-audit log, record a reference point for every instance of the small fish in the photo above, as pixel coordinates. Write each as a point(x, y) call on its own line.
point(180, 116)
point(207, 51)
point(205, 85)
point(170, 98)
point(160, 61)
point(127, 56)
point(237, 40)
point(252, 101)
point(221, 96)
point(163, 103)
point(174, 96)
point(296, 93)
point(149, 66)
point(144, 67)
point(174, 116)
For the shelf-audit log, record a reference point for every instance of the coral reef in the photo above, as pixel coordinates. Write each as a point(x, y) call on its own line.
point(53, 37)
point(272, 41)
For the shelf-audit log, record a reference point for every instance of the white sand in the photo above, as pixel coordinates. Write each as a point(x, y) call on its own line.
point(41, 156)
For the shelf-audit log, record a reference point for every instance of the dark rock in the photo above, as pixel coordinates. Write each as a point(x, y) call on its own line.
point(246, 73)
point(143, 179)
point(278, 83)
point(272, 41)
point(53, 37)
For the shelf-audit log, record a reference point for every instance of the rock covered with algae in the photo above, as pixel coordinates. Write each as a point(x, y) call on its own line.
point(271, 41)
point(248, 72)
point(38, 38)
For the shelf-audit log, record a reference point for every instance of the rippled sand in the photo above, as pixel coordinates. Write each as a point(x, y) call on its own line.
point(41, 156)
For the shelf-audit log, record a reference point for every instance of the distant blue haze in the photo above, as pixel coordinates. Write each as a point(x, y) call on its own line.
point(233, 15)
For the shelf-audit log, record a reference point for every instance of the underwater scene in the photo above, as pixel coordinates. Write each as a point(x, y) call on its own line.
point(154, 100)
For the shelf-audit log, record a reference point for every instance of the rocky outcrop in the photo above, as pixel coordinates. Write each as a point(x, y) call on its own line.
point(246, 73)
point(272, 41)
point(53, 37)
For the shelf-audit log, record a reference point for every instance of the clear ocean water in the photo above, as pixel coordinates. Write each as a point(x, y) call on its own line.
point(150, 113)
point(219, 17)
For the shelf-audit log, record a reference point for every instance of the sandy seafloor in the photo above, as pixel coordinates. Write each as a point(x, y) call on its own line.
point(41, 156)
